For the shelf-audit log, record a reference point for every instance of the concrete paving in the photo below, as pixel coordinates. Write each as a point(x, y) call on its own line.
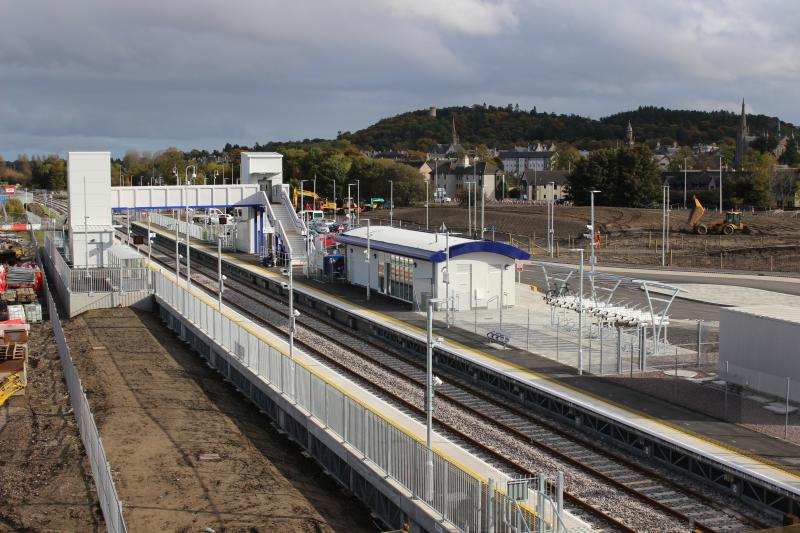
point(729, 295)
point(535, 328)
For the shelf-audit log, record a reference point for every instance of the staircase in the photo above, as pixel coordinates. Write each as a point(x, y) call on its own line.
point(296, 241)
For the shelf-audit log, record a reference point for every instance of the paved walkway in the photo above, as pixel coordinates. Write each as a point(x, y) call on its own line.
point(729, 295)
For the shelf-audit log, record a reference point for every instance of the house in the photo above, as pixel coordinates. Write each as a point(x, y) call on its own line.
point(538, 157)
point(452, 176)
point(535, 185)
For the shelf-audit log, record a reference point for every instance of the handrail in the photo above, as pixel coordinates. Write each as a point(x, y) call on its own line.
point(298, 224)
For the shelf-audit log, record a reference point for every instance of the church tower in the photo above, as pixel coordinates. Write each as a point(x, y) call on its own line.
point(741, 139)
point(629, 134)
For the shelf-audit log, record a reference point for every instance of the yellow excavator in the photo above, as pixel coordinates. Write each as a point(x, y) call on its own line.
point(730, 225)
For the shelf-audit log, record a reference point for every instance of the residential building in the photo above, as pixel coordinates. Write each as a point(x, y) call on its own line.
point(454, 176)
point(535, 185)
point(538, 157)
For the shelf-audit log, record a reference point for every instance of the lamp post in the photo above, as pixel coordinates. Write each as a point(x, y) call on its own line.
point(483, 195)
point(502, 292)
point(664, 224)
point(429, 382)
point(216, 173)
point(580, 315)
point(367, 261)
point(720, 184)
point(188, 227)
point(591, 200)
point(358, 201)
point(334, 199)
point(551, 221)
point(427, 203)
point(685, 169)
point(469, 207)
point(219, 272)
point(391, 203)
point(304, 219)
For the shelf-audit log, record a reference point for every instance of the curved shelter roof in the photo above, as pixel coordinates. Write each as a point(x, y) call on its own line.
point(426, 246)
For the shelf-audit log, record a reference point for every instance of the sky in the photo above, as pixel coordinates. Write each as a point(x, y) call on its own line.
point(145, 75)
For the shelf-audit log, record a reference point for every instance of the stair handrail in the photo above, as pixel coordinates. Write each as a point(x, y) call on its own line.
point(284, 239)
point(298, 224)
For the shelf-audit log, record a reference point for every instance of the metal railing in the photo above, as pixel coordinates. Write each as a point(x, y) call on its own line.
point(206, 233)
point(95, 279)
point(110, 503)
point(457, 496)
point(293, 216)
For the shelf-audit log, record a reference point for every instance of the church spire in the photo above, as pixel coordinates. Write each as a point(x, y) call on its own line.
point(629, 134)
point(741, 138)
point(455, 135)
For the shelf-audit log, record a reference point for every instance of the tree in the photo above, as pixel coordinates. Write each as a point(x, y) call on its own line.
point(568, 157)
point(790, 156)
point(14, 209)
point(757, 190)
point(684, 155)
point(627, 177)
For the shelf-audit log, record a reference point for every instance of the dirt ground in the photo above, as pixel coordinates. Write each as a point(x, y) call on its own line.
point(45, 478)
point(629, 236)
point(161, 412)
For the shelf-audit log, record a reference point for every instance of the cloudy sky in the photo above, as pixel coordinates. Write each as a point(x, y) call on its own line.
point(147, 74)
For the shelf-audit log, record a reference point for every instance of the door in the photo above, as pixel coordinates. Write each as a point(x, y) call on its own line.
point(462, 287)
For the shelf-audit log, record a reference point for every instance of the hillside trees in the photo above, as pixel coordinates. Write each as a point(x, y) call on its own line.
point(627, 177)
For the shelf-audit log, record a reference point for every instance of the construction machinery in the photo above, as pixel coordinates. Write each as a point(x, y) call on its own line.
point(310, 199)
point(731, 224)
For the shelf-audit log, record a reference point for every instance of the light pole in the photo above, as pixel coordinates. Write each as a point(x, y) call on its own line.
point(427, 203)
point(502, 293)
point(664, 224)
point(580, 315)
point(591, 200)
point(358, 201)
point(216, 173)
point(685, 168)
point(367, 261)
point(429, 382)
point(483, 195)
point(469, 207)
point(350, 204)
point(188, 227)
point(334, 199)
point(551, 222)
point(720, 184)
point(219, 272)
point(391, 203)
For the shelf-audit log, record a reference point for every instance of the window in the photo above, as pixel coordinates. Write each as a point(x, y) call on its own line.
point(401, 277)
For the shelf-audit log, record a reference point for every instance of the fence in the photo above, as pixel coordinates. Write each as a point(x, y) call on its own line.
point(110, 503)
point(207, 233)
point(459, 497)
point(94, 279)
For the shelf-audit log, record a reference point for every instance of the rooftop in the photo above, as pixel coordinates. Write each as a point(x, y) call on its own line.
point(421, 245)
point(784, 313)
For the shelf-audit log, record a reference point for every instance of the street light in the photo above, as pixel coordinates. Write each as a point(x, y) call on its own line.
point(391, 203)
point(334, 199)
point(591, 200)
point(366, 260)
point(188, 237)
point(429, 384)
point(685, 168)
point(502, 293)
point(551, 220)
point(580, 314)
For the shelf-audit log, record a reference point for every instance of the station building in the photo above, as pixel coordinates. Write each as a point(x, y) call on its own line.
point(412, 266)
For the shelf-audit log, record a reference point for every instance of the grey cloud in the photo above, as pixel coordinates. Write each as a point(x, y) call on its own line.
point(91, 74)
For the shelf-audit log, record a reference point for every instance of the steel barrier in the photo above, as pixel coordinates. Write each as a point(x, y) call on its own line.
point(456, 495)
point(110, 503)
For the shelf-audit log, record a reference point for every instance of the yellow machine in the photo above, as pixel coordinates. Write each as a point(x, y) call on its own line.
point(327, 207)
point(307, 195)
point(730, 225)
point(11, 385)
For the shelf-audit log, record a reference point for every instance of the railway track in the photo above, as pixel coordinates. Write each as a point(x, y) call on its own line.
point(520, 441)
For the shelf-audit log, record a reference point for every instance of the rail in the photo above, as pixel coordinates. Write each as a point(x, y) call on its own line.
point(460, 498)
point(298, 224)
point(95, 279)
point(210, 233)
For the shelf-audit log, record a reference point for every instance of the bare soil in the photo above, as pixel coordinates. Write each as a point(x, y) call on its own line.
point(161, 411)
point(629, 236)
point(45, 478)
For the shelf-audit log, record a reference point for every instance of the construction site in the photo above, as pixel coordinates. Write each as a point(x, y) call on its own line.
point(629, 236)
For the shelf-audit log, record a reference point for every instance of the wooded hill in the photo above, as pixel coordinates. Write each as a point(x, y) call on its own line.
point(504, 127)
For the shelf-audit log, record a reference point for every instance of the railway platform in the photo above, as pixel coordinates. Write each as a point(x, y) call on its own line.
point(752, 465)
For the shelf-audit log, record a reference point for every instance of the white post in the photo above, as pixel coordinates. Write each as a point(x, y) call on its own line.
point(720, 184)
point(786, 419)
point(685, 168)
point(391, 203)
point(188, 245)
point(219, 272)
point(580, 315)
point(427, 204)
point(85, 230)
point(429, 406)
point(469, 209)
point(483, 195)
point(367, 260)
point(334, 199)
point(447, 279)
